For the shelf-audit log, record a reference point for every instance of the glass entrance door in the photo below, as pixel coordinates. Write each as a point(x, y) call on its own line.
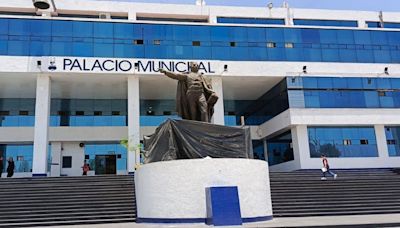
point(106, 164)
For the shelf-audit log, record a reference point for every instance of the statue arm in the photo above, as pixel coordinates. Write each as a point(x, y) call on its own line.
point(180, 77)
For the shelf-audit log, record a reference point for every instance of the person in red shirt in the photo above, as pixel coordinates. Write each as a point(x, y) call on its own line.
point(85, 168)
point(325, 168)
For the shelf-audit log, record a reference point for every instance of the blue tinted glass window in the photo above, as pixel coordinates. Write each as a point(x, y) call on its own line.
point(103, 50)
point(18, 47)
point(238, 20)
point(62, 28)
point(38, 48)
point(395, 55)
point(345, 37)
point(276, 54)
point(257, 53)
point(362, 37)
point(328, 36)
point(61, 48)
point(378, 37)
point(82, 49)
point(330, 55)
point(325, 23)
point(19, 27)
point(384, 83)
point(329, 141)
point(294, 54)
point(182, 32)
point(41, 28)
point(365, 56)
point(310, 36)
point(221, 53)
point(123, 31)
point(82, 29)
point(3, 47)
point(201, 33)
point(274, 34)
point(202, 52)
point(293, 35)
point(154, 32)
point(239, 34)
point(103, 30)
point(393, 38)
point(382, 56)
point(220, 33)
point(3, 26)
point(256, 34)
point(128, 51)
point(347, 55)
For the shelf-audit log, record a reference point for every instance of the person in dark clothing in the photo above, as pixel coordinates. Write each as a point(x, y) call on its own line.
point(1, 165)
point(11, 167)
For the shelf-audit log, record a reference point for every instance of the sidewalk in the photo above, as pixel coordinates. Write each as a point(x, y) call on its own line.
point(392, 220)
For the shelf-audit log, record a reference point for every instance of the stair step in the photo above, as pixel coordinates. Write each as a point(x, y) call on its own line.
point(27, 202)
point(302, 193)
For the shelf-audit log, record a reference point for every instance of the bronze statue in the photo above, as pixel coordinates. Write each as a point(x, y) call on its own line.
point(195, 98)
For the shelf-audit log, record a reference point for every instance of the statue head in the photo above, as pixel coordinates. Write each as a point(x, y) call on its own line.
point(194, 67)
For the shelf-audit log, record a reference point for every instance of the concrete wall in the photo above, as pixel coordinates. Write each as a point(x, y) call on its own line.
point(78, 155)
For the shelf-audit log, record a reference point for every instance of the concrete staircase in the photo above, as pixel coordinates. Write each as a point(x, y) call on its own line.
point(52, 201)
point(354, 192)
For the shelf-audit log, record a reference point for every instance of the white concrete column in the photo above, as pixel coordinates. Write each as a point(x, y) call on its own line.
point(219, 111)
point(213, 19)
point(133, 123)
point(301, 148)
point(362, 24)
point(56, 148)
point(383, 151)
point(41, 132)
point(132, 15)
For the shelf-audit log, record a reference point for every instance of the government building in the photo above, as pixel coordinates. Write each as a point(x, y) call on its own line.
point(82, 76)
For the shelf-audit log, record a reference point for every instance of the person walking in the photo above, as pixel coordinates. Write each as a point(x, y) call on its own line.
point(1, 165)
point(325, 168)
point(11, 167)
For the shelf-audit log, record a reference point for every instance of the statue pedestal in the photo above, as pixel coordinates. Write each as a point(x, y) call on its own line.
point(175, 191)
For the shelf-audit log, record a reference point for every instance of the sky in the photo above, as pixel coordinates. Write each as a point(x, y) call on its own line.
point(368, 5)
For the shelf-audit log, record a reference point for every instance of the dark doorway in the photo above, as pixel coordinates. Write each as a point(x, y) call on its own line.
point(106, 164)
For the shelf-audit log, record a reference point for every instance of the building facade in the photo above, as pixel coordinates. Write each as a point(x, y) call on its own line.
point(81, 77)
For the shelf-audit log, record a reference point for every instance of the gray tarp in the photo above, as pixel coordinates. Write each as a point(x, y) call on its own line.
point(187, 139)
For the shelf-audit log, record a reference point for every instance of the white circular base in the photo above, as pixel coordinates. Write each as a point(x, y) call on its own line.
point(175, 191)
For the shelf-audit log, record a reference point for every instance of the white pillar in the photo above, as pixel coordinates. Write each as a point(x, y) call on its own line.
point(265, 149)
point(219, 112)
point(41, 132)
point(133, 123)
point(383, 151)
point(55, 159)
point(301, 147)
point(132, 15)
point(362, 23)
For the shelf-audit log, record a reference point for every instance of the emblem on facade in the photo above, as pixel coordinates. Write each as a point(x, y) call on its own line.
point(52, 65)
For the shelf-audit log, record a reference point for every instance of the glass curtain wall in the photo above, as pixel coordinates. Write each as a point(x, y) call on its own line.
point(88, 112)
point(155, 112)
point(280, 149)
point(393, 140)
point(22, 155)
point(348, 92)
point(17, 112)
point(342, 142)
point(30, 37)
point(94, 149)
